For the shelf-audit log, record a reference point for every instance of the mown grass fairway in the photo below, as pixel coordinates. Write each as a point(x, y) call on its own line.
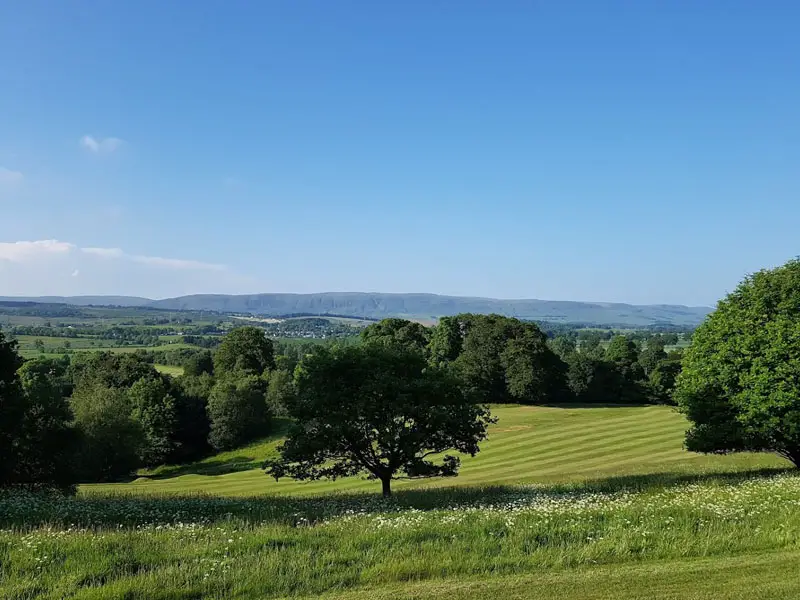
point(527, 445)
point(170, 370)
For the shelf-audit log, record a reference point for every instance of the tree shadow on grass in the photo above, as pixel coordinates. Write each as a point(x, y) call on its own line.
point(21, 511)
point(244, 460)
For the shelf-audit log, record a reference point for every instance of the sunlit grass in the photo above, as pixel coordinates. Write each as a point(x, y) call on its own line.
point(271, 547)
point(527, 445)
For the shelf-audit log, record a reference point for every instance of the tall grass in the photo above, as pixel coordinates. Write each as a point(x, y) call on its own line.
point(195, 546)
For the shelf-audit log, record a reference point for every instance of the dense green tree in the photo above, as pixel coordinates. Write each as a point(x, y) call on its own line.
point(408, 334)
point(580, 374)
point(110, 438)
point(740, 384)
point(662, 379)
point(652, 355)
point(380, 410)
point(563, 346)
point(593, 349)
point(237, 409)
point(191, 436)
point(620, 377)
point(622, 352)
point(156, 411)
point(480, 363)
point(244, 350)
point(37, 442)
point(280, 391)
point(109, 369)
point(533, 373)
point(671, 339)
point(199, 363)
point(499, 358)
point(12, 409)
point(46, 439)
point(447, 339)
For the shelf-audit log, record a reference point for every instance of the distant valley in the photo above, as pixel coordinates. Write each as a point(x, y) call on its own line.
point(413, 306)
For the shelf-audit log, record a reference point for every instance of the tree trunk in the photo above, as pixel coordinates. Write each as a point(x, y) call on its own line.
point(387, 487)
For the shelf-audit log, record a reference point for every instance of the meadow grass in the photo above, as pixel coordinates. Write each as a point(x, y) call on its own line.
point(477, 540)
point(614, 508)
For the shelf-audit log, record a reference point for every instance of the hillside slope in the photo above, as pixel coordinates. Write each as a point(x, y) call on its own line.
point(417, 306)
point(431, 306)
point(527, 445)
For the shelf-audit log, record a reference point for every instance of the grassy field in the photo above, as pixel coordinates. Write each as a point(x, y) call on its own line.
point(27, 350)
point(527, 445)
point(708, 537)
point(616, 510)
point(170, 370)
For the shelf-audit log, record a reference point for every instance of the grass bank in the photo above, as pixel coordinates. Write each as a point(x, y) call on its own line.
point(463, 542)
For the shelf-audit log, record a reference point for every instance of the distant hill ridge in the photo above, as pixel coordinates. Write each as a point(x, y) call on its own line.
point(418, 306)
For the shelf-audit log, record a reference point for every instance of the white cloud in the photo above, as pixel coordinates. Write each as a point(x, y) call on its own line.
point(177, 263)
point(19, 252)
point(9, 177)
point(105, 252)
point(55, 268)
point(100, 145)
point(156, 261)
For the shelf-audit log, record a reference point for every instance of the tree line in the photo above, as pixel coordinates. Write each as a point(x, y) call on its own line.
point(404, 401)
point(100, 416)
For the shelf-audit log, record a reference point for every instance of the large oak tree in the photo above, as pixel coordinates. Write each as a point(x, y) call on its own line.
point(377, 409)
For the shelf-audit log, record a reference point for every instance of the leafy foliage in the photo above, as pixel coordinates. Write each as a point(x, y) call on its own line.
point(402, 332)
point(47, 441)
point(377, 409)
point(238, 411)
point(652, 355)
point(12, 408)
point(740, 384)
point(199, 363)
point(280, 391)
point(500, 359)
point(244, 350)
point(111, 439)
point(156, 411)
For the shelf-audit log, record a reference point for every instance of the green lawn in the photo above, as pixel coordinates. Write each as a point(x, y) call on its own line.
point(527, 445)
point(618, 511)
point(170, 370)
point(767, 576)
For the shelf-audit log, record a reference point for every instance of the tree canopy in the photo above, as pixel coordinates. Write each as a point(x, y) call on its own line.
point(377, 409)
point(238, 411)
point(499, 358)
point(12, 407)
point(740, 384)
point(244, 350)
point(402, 332)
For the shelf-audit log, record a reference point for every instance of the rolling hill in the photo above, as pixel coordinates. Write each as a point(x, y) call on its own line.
point(528, 445)
point(419, 306)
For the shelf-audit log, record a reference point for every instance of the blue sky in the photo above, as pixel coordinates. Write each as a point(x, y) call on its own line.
point(643, 152)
